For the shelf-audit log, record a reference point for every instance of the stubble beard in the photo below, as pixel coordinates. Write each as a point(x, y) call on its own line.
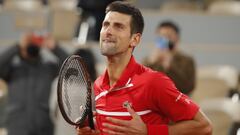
point(108, 50)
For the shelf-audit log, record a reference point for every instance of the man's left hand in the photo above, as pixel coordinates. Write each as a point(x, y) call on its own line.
point(49, 42)
point(135, 126)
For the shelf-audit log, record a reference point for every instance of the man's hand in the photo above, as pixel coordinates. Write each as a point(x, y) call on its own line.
point(24, 42)
point(87, 131)
point(161, 57)
point(124, 127)
point(49, 42)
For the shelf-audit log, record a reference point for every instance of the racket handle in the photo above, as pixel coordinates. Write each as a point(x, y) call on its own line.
point(90, 117)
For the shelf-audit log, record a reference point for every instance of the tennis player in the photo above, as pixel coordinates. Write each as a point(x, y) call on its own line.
point(132, 99)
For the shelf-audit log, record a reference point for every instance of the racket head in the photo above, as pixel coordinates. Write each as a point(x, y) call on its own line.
point(74, 91)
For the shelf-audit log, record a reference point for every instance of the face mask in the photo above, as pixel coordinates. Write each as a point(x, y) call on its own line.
point(33, 50)
point(164, 43)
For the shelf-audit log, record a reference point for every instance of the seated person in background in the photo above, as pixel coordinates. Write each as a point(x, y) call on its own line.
point(29, 75)
point(90, 61)
point(167, 58)
point(3, 95)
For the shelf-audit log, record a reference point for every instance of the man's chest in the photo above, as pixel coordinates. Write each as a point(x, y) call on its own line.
point(113, 104)
point(116, 99)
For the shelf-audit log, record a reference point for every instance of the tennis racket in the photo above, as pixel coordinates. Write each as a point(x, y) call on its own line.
point(74, 92)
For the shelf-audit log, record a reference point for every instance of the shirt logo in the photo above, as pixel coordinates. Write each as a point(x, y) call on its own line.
point(126, 104)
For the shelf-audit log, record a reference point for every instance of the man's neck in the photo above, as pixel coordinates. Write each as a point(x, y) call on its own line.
point(115, 67)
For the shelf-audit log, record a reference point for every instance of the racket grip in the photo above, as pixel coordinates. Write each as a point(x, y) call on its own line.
point(90, 117)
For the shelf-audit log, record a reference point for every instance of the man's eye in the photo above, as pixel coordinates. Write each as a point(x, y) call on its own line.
point(105, 24)
point(118, 26)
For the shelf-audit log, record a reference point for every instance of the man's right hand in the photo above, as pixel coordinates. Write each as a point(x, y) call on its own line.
point(25, 40)
point(23, 43)
point(87, 131)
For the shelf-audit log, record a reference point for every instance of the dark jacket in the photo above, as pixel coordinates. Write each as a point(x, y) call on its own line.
point(182, 71)
point(29, 85)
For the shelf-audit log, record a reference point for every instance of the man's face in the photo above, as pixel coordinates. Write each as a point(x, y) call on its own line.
point(115, 35)
point(168, 33)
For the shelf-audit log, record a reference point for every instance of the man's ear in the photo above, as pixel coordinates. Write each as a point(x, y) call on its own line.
point(136, 38)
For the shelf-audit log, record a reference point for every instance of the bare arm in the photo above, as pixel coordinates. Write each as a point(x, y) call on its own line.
point(200, 125)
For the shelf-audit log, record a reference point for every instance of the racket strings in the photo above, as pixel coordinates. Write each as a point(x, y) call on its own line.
point(75, 92)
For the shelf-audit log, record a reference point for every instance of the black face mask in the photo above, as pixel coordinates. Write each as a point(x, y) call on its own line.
point(170, 45)
point(33, 51)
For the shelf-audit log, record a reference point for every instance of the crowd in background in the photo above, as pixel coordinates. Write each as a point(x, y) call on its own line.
point(30, 107)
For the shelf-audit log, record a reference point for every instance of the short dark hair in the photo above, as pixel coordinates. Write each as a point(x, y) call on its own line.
point(137, 21)
point(170, 24)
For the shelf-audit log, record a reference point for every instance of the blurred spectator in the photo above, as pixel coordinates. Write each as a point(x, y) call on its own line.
point(235, 128)
point(96, 9)
point(3, 95)
point(61, 126)
point(29, 76)
point(90, 61)
point(168, 58)
point(45, 2)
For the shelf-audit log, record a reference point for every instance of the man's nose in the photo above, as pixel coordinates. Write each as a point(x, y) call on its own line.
point(109, 31)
